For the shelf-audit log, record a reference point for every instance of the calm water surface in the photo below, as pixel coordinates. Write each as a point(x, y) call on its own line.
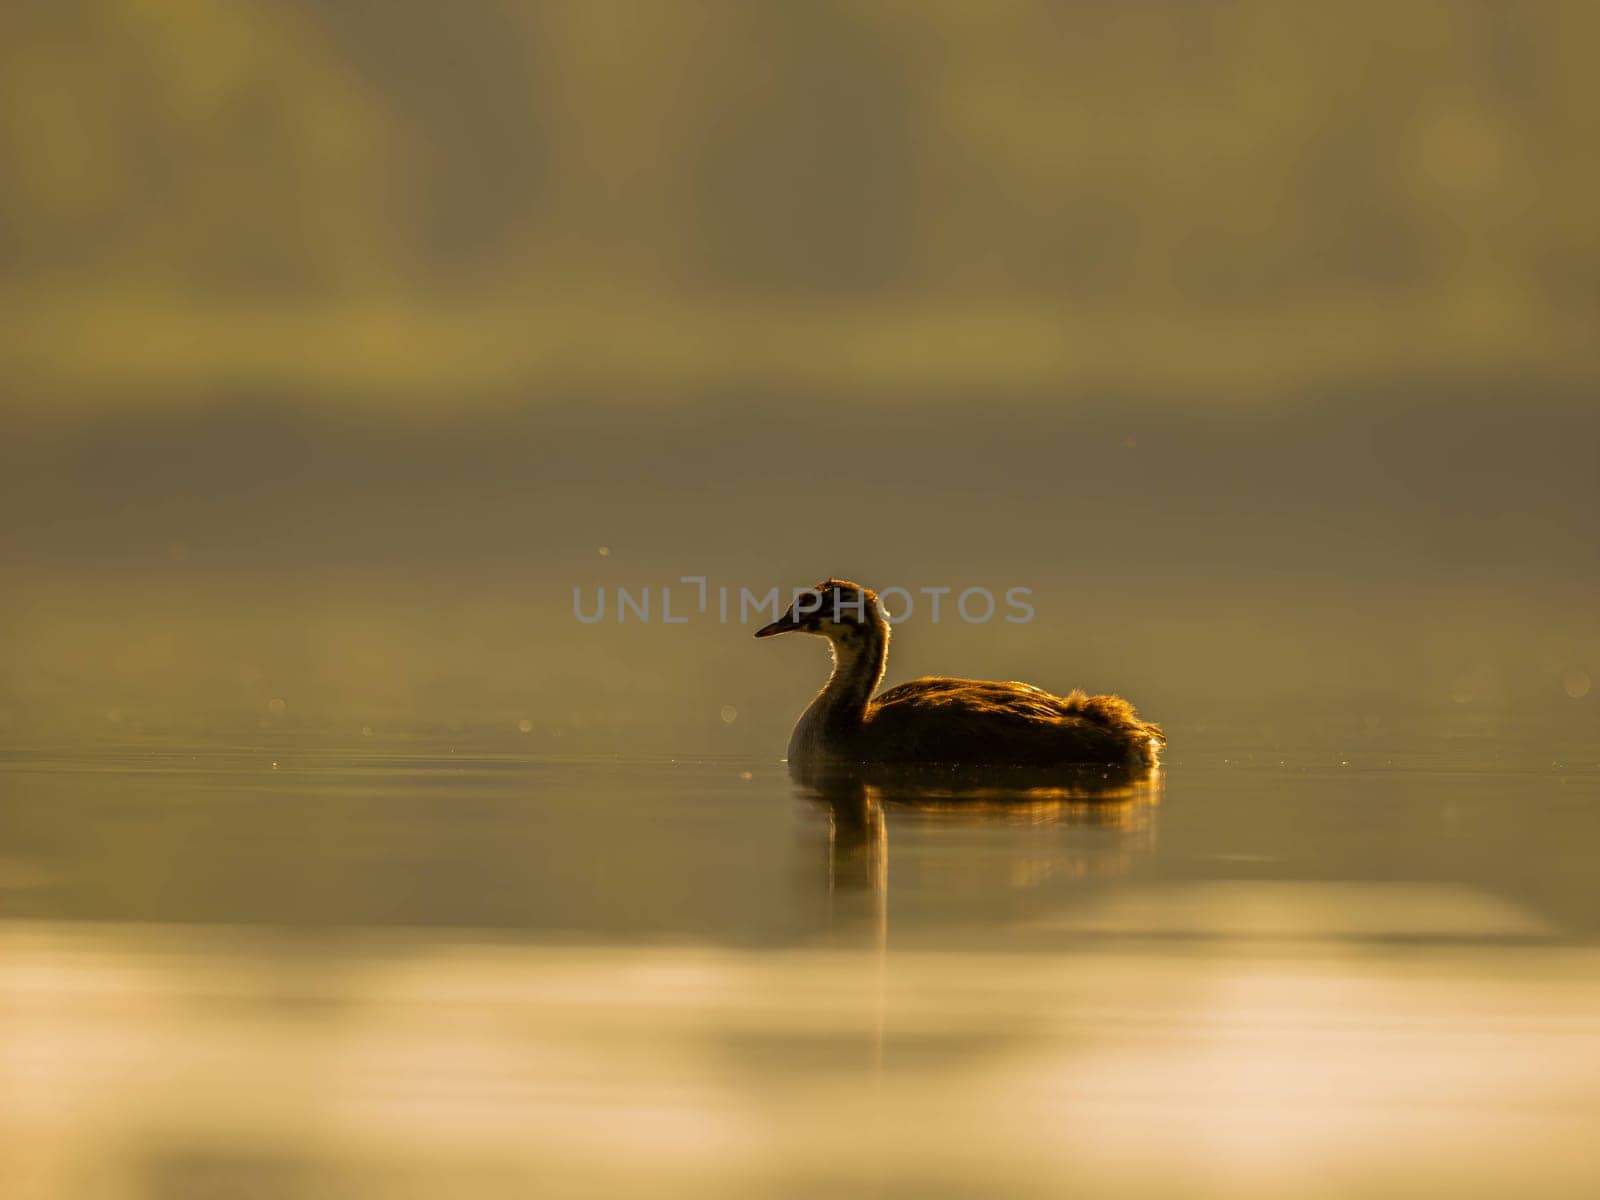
point(1333, 955)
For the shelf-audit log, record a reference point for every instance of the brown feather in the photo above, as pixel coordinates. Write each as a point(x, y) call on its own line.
point(940, 719)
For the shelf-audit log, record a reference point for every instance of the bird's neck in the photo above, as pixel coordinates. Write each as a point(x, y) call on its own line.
point(840, 707)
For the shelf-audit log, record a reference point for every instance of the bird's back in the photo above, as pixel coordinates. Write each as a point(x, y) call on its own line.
point(940, 719)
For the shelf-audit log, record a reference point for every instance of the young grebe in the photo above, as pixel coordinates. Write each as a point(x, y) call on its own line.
point(941, 720)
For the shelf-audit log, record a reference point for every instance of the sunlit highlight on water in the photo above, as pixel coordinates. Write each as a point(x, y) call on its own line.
point(696, 1071)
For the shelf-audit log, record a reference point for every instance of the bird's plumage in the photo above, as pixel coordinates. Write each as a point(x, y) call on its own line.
point(938, 720)
point(1012, 723)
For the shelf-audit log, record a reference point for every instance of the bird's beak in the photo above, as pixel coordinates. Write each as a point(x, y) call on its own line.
point(784, 624)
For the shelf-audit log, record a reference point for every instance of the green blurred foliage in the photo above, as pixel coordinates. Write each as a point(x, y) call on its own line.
point(193, 183)
point(1258, 337)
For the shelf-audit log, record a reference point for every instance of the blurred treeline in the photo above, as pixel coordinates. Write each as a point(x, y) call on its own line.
point(394, 193)
point(340, 340)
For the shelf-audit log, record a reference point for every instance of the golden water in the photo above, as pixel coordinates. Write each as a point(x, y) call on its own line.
point(293, 964)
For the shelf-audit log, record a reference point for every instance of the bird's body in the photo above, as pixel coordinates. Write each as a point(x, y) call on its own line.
point(939, 720)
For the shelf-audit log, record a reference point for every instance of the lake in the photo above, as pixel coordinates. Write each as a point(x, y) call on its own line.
point(1329, 955)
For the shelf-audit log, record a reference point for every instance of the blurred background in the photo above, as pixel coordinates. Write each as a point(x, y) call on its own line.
point(340, 343)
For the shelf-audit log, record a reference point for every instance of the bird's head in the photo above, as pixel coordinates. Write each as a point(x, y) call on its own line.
point(841, 611)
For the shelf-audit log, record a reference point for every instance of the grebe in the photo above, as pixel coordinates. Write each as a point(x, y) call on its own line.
point(938, 720)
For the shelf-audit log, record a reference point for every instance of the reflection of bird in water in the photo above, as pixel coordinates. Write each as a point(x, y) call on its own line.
point(942, 720)
point(857, 797)
point(858, 842)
